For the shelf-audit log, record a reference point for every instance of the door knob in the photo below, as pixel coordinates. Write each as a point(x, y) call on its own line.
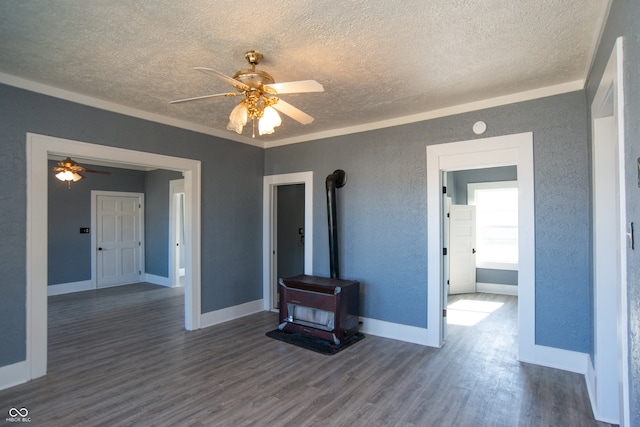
point(473, 251)
point(99, 249)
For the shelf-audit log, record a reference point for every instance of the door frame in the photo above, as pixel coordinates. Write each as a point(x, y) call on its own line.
point(505, 150)
point(94, 223)
point(38, 148)
point(610, 379)
point(176, 186)
point(268, 228)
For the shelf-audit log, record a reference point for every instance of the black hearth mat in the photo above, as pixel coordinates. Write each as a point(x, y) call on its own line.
point(314, 344)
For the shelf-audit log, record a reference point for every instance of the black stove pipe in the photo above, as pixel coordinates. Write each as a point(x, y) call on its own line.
point(336, 180)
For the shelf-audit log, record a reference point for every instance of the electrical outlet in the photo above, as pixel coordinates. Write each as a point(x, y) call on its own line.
point(84, 230)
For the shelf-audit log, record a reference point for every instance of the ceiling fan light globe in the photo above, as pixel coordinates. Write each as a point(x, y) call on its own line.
point(238, 118)
point(65, 176)
point(269, 121)
point(75, 177)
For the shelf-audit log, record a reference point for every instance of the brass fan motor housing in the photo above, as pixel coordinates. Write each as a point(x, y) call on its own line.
point(253, 78)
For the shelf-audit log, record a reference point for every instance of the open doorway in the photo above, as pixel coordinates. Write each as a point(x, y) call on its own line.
point(289, 232)
point(481, 237)
point(479, 154)
point(303, 234)
point(39, 147)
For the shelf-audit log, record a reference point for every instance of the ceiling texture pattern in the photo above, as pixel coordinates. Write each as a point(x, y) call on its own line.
point(378, 60)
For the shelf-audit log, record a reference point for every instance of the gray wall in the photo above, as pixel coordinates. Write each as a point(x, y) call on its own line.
point(156, 217)
point(231, 199)
point(69, 209)
point(624, 20)
point(382, 210)
point(457, 189)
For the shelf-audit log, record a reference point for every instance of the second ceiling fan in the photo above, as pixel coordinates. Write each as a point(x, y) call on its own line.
point(261, 98)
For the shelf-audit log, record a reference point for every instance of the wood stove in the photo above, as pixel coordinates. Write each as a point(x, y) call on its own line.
point(321, 307)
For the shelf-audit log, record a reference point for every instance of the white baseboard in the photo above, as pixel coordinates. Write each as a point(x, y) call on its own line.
point(67, 288)
point(396, 331)
point(230, 313)
point(156, 280)
point(495, 288)
point(557, 358)
point(14, 374)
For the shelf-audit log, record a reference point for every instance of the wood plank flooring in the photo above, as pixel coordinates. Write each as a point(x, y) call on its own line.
point(120, 357)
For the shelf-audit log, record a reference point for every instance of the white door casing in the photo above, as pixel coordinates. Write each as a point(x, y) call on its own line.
point(461, 250)
point(118, 237)
point(610, 399)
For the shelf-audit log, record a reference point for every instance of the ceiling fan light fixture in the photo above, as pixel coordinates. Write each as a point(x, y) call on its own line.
point(269, 121)
point(69, 177)
point(238, 118)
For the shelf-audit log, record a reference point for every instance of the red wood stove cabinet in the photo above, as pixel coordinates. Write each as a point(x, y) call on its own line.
point(320, 307)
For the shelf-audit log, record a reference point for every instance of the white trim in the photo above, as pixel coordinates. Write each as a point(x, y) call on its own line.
point(268, 269)
point(79, 98)
point(156, 280)
point(176, 186)
point(488, 152)
point(496, 288)
point(395, 331)
point(610, 245)
point(32, 86)
point(443, 112)
point(231, 313)
point(14, 374)
point(38, 147)
point(94, 226)
point(68, 288)
point(557, 358)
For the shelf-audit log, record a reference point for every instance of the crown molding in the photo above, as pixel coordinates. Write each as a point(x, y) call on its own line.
point(443, 112)
point(427, 115)
point(79, 98)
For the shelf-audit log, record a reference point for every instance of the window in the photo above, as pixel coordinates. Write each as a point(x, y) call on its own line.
point(496, 223)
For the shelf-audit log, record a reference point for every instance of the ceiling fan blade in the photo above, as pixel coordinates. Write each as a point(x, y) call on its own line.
point(96, 171)
point(293, 112)
point(217, 74)
point(197, 98)
point(301, 86)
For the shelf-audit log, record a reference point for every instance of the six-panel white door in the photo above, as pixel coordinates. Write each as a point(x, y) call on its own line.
point(118, 240)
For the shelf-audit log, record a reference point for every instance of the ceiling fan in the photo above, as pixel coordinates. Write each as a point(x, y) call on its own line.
point(70, 171)
point(261, 98)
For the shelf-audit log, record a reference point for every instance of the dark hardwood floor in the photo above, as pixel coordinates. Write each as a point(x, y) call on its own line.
point(120, 356)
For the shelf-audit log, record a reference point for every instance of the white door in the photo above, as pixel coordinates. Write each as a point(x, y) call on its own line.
point(462, 252)
point(118, 239)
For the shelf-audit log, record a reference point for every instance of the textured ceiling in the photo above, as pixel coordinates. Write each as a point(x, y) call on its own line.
point(378, 60)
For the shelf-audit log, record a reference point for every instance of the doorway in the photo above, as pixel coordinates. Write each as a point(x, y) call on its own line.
point(39, 147)
point(271, 184)
point(289, 231)
point(482, 153)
